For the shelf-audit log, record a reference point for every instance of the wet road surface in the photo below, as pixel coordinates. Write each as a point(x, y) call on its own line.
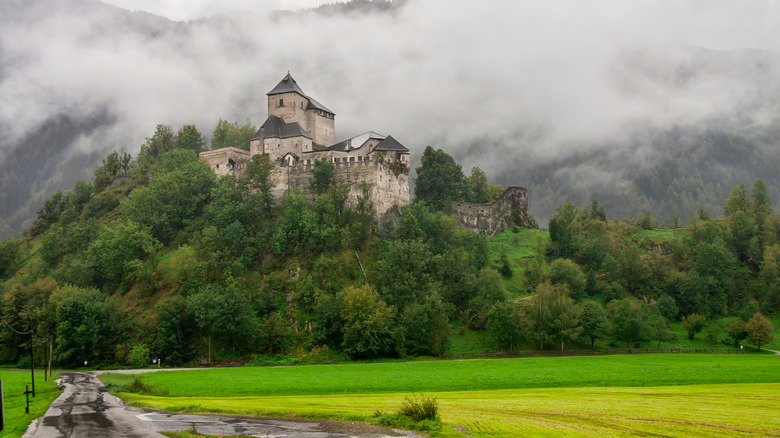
point(85, 409)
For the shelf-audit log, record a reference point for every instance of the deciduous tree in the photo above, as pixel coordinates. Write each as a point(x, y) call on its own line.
point(759, 330)
point(439, 180)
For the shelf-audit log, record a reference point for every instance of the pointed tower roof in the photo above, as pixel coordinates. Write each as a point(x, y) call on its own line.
point(287, 85)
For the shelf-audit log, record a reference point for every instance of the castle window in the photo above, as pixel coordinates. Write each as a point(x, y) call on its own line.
point(301, 105)
point(281, 102)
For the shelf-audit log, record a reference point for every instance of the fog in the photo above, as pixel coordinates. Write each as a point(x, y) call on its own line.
point(497, 84)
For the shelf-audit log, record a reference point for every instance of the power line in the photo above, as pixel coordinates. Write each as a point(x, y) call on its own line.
point(17, 331)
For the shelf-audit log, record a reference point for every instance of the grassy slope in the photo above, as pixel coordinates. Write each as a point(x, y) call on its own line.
point(505, 397)
point(520, 248)
point(16, 421)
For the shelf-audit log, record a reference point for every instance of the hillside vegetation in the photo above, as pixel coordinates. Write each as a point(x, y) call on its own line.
point(156, 257)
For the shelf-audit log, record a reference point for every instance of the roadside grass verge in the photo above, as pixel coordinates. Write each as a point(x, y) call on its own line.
point(16, 421)
point(469, 375)
point(700, 410)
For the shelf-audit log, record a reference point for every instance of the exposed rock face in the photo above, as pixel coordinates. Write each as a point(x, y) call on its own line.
point(509, 209)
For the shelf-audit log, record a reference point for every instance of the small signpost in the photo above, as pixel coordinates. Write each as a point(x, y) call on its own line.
point(27, 392)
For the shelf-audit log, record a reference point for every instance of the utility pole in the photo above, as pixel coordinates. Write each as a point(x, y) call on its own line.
point(32, 367)
point(2, 407)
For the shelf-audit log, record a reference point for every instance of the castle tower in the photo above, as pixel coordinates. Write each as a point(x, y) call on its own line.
point(288, 102)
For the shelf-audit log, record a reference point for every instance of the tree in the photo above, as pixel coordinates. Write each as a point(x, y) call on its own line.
point(594, 322)
point(162, 141)
point(258, 174)
point(439, 180)
point(738, 201)
point(175, 329)
point(564, 271)
point(117, 163)
point(507, 326)
point(228, 134)
point(323, 173)
point(368, 323)
point(426, 326)
point(87, 325)
point(661, 331)
point(478, 189)
point(737, 331)
point(176, 197)
point(404, 272)
point(667, 307)
point(116, 247)
point(10, 251)
point(597, 211)
point(627, 320)
point(759, 330)
point(693, 323)
point(555, 316)
point(222, 313)
point(762, 201)
point(505, 269)
point(561, 239)
point(190, 138)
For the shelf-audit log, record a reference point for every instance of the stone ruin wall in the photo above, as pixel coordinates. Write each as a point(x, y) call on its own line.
point(509, 209)
point(219, 160)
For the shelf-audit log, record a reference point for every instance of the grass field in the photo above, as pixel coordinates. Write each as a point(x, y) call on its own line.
point(14, 381)
point(701, 410)
point(591, 396)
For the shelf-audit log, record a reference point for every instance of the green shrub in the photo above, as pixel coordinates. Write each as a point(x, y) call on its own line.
point(419, 409)
point(139, 356)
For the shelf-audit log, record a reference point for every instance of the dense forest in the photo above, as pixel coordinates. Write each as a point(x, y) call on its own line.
point(157, 257)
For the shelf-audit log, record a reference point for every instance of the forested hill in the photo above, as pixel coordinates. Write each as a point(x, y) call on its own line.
point(157, 257)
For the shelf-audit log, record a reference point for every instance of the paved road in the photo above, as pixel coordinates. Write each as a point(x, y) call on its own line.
point(86, 410)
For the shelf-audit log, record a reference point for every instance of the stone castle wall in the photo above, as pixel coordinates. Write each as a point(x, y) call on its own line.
point(385, 188)
point(509, 209)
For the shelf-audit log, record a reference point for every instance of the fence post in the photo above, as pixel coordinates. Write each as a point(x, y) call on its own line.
point(2, 406)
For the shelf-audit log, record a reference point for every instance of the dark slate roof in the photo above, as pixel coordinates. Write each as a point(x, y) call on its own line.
point(341, 146)
point(274, 127)
point(287, 85)
point(313, 104)
point(391, 144)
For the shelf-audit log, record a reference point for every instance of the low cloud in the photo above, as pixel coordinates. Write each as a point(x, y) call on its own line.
point(497, 84)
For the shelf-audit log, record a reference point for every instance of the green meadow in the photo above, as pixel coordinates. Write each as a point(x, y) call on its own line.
point(672, 395)
point(14, 381)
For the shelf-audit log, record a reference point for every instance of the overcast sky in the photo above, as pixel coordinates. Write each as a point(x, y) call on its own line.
point(528, 78)
point(183, 10)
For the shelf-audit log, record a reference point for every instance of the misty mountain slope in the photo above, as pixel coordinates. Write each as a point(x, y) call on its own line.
point(42, 163)
point(678, 180)
point(611, 109)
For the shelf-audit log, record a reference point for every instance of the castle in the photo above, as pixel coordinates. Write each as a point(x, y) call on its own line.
point(299, 131)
